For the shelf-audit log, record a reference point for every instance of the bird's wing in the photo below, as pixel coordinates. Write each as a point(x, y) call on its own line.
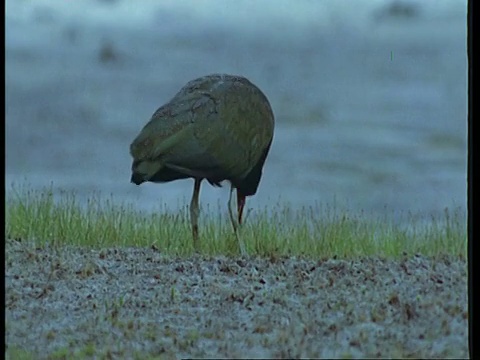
point(213, 128)
point(171, 138)
point(169, 126)
point(239, 130)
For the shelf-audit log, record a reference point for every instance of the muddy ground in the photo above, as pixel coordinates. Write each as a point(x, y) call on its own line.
point(122, 303)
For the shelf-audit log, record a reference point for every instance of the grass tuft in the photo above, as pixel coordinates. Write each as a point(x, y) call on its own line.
point(313, 232)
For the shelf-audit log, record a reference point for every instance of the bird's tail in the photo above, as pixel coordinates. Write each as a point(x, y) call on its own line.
point(144, 170)
point(137, 178)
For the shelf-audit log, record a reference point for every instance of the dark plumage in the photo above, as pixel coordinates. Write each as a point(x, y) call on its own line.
point(217, 127)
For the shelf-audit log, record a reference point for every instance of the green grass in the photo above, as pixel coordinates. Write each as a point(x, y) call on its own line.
point(17, 353)
point(314, 232)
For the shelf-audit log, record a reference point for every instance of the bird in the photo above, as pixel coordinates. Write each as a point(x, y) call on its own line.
point(218, 127)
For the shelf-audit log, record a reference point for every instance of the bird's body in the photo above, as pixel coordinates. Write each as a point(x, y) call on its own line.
point(217, 127)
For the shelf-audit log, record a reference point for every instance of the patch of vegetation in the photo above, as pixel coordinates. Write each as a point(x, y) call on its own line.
point(314, 232)
point(17, 353)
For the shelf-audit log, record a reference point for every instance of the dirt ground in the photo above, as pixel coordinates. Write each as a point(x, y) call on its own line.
point(122, 303)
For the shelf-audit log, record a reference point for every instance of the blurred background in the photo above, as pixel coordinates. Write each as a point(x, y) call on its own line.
point(369, 96)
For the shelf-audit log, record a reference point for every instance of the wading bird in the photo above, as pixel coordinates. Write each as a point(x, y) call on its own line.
point(217, 127)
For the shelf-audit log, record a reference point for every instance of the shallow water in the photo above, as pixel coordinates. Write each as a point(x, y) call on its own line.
point(370, 104)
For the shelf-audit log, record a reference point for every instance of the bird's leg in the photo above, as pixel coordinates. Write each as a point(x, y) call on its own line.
point(230, 212)
point(194, 211)
point(241, 245)
point(240, 206)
